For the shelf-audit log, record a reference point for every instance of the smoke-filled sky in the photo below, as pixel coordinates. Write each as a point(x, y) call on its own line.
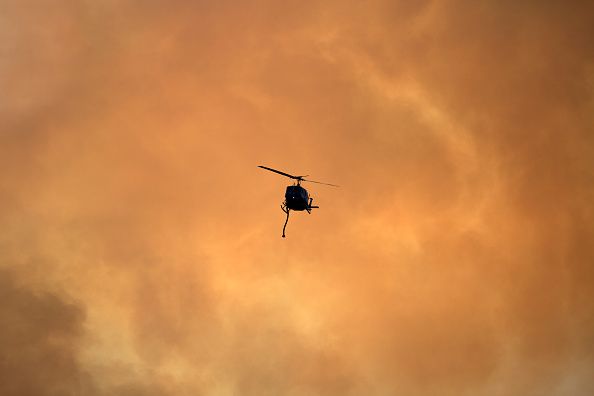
point(140, 248)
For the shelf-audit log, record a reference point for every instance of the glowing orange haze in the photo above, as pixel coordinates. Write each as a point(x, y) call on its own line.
point(140, 251)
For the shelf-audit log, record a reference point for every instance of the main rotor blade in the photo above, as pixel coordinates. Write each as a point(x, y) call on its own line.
point(317, 182)
point(281, 173)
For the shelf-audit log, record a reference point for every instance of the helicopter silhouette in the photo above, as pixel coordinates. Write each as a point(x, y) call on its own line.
point(296, 197)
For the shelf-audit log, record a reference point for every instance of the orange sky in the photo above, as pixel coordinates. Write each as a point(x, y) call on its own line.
point(140, 251)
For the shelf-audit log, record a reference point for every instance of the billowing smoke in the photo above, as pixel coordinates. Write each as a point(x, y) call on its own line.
point(140, 247)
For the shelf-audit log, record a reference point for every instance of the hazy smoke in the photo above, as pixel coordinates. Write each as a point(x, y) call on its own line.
point(140, 245)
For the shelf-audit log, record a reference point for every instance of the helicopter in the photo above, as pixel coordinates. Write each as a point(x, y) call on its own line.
point(296, 197)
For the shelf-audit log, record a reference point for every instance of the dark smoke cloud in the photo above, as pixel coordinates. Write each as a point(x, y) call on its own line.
point(39, 337)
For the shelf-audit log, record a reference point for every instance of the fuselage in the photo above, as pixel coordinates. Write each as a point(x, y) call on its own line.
point(296, 198)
